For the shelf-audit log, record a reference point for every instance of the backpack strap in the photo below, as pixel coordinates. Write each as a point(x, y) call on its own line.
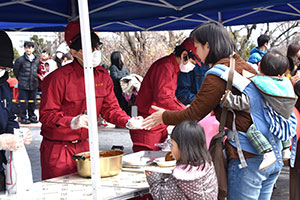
point(238, 81)
point(234, 134)
point(224, 115)
point(228, 87)
point(217, 70)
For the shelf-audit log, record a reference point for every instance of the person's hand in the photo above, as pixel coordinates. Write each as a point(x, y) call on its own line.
point(135, 123)
point(294, 79)
point(28, 137)
point(154, 119)
point(80, 121)
point(9, 142)
point(147, 173)
point(223, 100)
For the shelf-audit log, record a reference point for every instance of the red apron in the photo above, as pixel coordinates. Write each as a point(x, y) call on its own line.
point(56, 157)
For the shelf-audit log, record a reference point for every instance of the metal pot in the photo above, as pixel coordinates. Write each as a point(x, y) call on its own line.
point(110, 163)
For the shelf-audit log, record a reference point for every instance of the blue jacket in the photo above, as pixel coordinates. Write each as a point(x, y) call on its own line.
point(188, 84)
point(7, 118)
point(256, 55)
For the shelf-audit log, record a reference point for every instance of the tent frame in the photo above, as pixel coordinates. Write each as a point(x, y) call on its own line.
point(160, 4)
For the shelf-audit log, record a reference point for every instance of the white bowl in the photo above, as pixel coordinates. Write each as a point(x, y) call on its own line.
point(137, 161)
point(162, 163)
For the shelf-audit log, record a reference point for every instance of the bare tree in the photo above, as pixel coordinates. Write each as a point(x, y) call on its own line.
point(141, 49)
point(281, 34)
point(41, 44)
point(285, 32)
point(243, 41)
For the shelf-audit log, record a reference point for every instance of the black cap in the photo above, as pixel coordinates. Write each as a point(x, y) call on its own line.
point(6, 50)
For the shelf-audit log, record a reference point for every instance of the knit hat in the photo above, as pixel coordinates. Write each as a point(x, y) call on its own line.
point(6, 50)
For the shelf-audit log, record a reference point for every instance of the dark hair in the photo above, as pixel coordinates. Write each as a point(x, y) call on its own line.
point(68, 56)
point(292, 56)
point(45, 51)
point(76, 45)
point(115, 59)
point(293, 50)
point(273, 64)
point(220, 43)
point(262, 39)
point(28, 44)
point(191, 142)
point(178, 50)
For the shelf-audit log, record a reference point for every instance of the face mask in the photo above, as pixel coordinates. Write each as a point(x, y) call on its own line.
point(96, 58)
point(2, 72)
point(59, 55)
point(187, 67)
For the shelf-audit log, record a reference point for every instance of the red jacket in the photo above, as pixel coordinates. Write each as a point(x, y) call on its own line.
point(41, 70)
point(159, 86)
point(64, 98)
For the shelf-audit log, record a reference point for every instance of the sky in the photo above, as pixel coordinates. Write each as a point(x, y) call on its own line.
point(18, 38)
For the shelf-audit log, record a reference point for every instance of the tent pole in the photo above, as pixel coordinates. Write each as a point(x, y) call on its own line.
point(74, 10)
point(90, 95)
point(220, 17)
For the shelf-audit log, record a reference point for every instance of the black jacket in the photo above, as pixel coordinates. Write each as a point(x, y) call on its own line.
point(7, 118)
point(116, 74)
point(26, 72)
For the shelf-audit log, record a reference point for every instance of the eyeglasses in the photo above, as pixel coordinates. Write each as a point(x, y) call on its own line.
point(99, 46)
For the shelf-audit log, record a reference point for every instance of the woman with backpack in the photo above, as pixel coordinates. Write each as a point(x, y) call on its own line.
point(215, 47)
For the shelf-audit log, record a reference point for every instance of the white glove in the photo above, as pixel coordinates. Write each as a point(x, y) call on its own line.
point(135, 123)
point(9, 142)
point(80, 121)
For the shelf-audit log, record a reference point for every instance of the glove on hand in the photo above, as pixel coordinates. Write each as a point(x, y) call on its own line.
point(28, 137)
point(135, 123)
point(80, 121)
point(9, 142)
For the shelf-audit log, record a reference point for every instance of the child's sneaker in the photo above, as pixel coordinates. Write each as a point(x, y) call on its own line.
point(269, 159)
point(286, 154)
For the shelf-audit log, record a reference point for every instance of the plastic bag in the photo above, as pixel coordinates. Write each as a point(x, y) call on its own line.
point(18, 168)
